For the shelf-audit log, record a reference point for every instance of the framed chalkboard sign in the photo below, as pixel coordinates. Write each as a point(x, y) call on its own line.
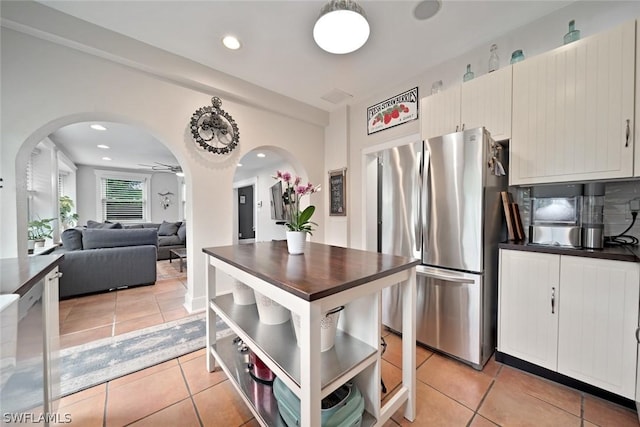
point(338, 192)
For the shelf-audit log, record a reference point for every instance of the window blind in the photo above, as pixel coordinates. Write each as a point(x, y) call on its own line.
point(122, 200)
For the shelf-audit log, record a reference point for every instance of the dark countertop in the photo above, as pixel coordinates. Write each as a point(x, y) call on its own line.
point(18, 275)
point(321, 271)
point(618, 253)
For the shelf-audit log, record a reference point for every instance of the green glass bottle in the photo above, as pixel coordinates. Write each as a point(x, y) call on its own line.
point(468, 75)
point(573, 34)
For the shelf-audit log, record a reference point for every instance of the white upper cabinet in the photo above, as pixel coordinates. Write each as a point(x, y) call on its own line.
point(573, 111)
point(483, 101)
point(440, 113)
point(486, 101)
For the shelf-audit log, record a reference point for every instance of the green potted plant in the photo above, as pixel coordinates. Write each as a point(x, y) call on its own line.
point(67, 218)
point(299, 222)
point(39, 230)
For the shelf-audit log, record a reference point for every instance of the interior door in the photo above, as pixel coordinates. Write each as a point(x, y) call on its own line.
point(246, 229)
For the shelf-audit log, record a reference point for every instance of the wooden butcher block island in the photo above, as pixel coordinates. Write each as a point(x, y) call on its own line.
point(310, 285)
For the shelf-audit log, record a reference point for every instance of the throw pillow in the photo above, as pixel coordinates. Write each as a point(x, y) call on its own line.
point(104, 225)
point(182, 232)
point(167, 228)
point(71, 239)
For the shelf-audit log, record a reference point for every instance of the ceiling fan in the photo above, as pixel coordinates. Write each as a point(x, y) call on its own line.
point(163, 167)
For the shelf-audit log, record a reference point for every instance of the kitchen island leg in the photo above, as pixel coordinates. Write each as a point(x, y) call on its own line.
point(409, 343)
point(211, 315)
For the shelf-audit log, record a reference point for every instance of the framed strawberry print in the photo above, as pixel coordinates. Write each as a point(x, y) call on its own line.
point(392, 112)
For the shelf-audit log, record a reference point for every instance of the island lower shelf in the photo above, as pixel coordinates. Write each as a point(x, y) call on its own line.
point(259, 397)
point(348, 357)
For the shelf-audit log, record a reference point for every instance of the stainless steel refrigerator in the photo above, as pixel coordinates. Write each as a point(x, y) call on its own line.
point(440, 201)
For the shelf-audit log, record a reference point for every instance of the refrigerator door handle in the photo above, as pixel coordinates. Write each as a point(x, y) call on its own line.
point(423, 211)
point(462, 279)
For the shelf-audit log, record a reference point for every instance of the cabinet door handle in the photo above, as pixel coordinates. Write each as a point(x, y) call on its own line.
point(553, 300)
point(626, 144)
point(55, 276)
point(637, 337)
point(457, 128)
point(462, 128)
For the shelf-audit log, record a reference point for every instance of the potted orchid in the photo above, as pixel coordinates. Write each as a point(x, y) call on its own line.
point(298, 222)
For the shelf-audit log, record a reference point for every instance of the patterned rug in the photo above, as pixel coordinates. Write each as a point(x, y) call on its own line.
point(103, 360)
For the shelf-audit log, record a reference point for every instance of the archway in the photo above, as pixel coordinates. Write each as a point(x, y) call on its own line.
point(24, 154)
point(256, 170)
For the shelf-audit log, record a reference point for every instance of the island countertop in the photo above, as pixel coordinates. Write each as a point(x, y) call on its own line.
point(18, 275)
point(321, 271)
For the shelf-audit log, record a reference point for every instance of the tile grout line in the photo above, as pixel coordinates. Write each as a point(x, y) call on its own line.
point(193, 402)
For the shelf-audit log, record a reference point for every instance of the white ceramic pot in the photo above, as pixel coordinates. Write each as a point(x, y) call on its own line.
point(328, 328)
point(242, 294)
point(269, 311)
point(295, 242)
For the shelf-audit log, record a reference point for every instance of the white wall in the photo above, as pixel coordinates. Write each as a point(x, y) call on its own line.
point(87, 196)
point(335, 157)
point(80, 87)
point(162, 182)
point(540, 36)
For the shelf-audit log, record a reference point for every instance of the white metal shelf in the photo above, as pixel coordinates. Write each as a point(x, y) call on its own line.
point(277, 343)
point(259, 397)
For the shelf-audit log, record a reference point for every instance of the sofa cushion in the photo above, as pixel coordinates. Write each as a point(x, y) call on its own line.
point(133, 226)
point(103, 225)
point(168, 228)
point(71, 239)
point(169, 240)
point(182, 232)
point(93, 238)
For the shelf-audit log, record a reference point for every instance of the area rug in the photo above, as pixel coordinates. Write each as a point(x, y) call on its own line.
point(99, 361)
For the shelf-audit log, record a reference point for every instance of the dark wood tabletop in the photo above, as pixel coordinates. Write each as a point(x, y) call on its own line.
point(321, 271)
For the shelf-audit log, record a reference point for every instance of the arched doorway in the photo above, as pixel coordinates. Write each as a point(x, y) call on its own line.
point(254, 174)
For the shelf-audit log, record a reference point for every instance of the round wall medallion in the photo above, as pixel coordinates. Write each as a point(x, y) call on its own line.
point(214, 129)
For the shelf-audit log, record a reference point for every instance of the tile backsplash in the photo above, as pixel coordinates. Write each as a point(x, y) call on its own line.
point(617, 216)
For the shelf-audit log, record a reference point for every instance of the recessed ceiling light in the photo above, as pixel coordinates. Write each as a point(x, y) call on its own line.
point(106, 158)
point(104, 147)
point(426, 9)
point(231, 42)
point(98, 127)
point(239, 165)
point(261, 155)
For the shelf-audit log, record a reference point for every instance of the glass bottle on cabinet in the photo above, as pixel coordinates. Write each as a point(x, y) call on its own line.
point(494, 61)
point(468, 75)
point(517, 56)
point(573, 34)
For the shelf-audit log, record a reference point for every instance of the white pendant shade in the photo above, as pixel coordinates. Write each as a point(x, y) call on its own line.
point(341, 28)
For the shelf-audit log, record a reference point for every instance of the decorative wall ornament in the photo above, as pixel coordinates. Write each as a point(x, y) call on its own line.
point(165, 200)
point(214, 129)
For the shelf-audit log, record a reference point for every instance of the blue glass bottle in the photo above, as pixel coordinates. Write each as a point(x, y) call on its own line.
point(573, 34)
point(468, 75)
point(517, 56)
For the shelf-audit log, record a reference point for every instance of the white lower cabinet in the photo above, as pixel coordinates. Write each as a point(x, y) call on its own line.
point(573, 315)
point(528, 316)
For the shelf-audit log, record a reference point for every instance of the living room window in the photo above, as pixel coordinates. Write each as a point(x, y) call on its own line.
point(123, 197)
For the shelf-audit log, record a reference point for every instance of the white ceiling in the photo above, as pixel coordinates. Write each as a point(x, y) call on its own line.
point(278, 51)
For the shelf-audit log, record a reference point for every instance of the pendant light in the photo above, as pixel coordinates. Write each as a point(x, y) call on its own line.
point(342, 27)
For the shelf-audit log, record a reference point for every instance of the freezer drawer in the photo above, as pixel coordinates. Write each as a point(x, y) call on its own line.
point(449, 313)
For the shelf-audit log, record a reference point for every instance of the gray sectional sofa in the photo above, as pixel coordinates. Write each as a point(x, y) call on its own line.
point(171, 235)
point(97, 260)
